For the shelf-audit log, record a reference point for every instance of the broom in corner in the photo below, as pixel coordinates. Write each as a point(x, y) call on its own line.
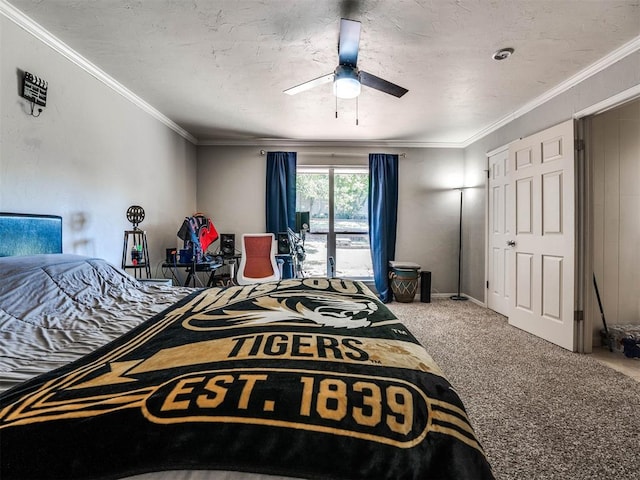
point(604, 322)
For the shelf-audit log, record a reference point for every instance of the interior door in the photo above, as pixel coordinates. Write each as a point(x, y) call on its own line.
point(500, 253)
point(542, 179)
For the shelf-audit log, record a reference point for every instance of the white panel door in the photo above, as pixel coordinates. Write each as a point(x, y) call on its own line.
point(543, 242)
point(499, 255)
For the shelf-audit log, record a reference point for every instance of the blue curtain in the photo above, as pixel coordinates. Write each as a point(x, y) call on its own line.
point(383, 218)
point(281, 191)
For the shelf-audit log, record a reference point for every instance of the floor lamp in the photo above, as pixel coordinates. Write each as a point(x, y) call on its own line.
point(459, 296)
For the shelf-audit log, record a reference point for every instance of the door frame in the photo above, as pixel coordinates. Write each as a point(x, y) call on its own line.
point(584, 293)
point(584, 240)
point(587, 296)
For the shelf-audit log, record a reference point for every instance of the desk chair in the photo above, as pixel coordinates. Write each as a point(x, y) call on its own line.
point(258, 262)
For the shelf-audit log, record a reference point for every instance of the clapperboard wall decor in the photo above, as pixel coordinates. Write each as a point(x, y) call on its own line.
point(35, 89)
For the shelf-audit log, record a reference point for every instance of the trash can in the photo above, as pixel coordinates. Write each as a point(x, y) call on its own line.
point(404, 280)
point(287, 265)
point(425, 287)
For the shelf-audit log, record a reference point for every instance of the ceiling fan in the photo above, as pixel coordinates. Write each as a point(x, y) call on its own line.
point(347, 78)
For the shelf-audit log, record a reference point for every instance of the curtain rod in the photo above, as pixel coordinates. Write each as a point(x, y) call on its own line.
point(334, 154)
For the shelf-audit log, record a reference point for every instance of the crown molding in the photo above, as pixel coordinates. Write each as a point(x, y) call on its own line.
point(605, 62)
point(47, 38)
point(500, 149)
point(24, 22)
point(288, 142)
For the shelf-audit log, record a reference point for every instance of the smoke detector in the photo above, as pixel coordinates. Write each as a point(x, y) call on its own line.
point(502, 54)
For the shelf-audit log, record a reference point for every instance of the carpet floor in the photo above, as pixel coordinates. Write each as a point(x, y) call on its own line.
point(540, 412)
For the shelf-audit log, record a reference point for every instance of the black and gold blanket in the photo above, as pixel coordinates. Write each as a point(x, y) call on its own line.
point(309, 378)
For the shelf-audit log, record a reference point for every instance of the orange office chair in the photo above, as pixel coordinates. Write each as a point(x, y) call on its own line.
point(258, 262)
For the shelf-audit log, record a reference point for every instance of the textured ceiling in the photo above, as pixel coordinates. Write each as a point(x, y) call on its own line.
point(218, 68)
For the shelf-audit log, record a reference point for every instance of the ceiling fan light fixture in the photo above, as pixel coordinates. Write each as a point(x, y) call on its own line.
point(347, 78)
point(346, 83)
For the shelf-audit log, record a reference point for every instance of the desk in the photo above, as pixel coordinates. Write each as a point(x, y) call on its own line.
point(230, 261)
point(191, 269)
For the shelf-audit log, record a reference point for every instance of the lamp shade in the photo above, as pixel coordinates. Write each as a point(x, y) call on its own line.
point(346, 83)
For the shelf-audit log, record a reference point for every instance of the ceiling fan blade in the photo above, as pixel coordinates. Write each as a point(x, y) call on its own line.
point(382, 85)
point(310, 84)
point(348, 42)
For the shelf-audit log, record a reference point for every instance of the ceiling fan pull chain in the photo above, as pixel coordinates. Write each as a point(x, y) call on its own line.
point(357, 111)
point(336, 107)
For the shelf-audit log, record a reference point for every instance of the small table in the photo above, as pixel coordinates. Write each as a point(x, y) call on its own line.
point(191, 269)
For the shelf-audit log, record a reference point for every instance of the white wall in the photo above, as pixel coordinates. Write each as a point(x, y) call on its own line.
point(617, 78)
point(231, 189)
point(89, 155)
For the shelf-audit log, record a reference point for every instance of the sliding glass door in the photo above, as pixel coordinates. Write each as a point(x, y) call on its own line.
point(336, 199)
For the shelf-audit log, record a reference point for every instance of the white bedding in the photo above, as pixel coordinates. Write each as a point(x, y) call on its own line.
point(57, 308)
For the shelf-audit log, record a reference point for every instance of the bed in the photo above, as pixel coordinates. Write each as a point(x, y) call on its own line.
point(104, 377)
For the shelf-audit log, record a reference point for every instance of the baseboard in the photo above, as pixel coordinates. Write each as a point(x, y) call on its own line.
point(449, 295)
point(416, 298)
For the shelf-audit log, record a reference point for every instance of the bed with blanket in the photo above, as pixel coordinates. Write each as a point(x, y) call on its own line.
point(104, 377)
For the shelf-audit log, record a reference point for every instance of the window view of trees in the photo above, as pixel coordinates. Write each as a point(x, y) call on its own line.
point(312, 195)
point(347, 240)
point(351, 191)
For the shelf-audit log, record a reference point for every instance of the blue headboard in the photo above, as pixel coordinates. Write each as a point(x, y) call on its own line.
point(25, 234)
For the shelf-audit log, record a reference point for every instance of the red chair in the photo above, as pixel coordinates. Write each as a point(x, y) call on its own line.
point(258, 262)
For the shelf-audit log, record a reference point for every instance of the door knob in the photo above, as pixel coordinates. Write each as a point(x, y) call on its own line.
point(511, 243)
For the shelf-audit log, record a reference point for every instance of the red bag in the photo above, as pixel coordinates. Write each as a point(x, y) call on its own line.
point(199, 232)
